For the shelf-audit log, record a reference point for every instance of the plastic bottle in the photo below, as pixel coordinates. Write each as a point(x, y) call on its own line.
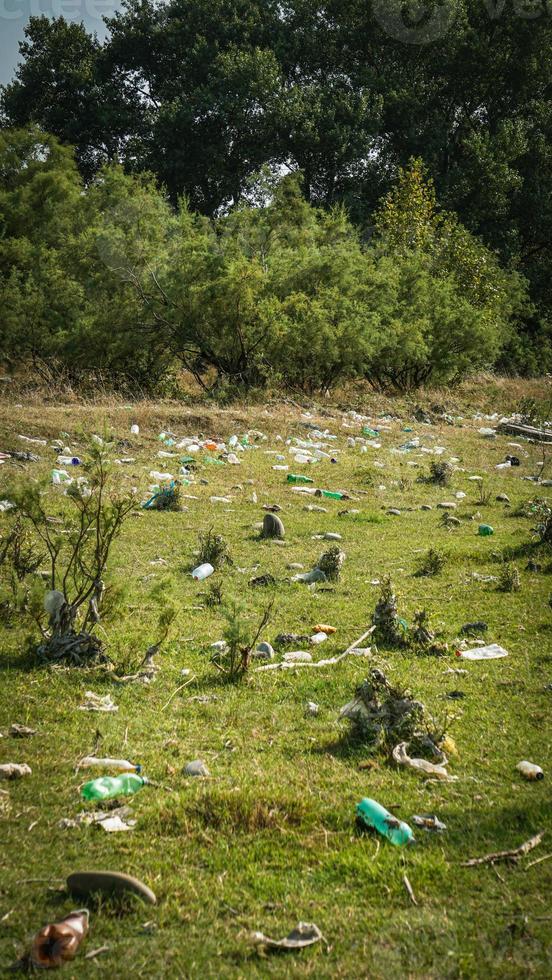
point(485, 530)
point(202, 571)
point(135, 430)
point(58, 942)
point(331, 494)
point(368, 431)
point(375, 815)
point(121, 765)
point(110, 787)
point(60, 476)
point(69, 460)
point(298, 478)
point(530, 770)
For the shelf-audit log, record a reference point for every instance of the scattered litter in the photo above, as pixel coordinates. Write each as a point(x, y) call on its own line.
point(312, 708)
point(372, 814)
point(529, 770)
point(202, 571)
point(428, 822)
point(110, 787)
point(298, 656)
point(304, 934)
point(196, 768)
point(121, 765)
point(422, 766)
point(95, 702)
point(112, 821)
point(491, 652)
point(14, 770)
point(59, 942)
point(20, 731)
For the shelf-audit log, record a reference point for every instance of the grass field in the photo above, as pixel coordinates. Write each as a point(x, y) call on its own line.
point(270, 839)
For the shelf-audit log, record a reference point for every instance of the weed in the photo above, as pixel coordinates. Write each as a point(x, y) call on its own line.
point(389, 628)
point(432, 563)
point(508, 579)
point(78, 544)
point(213, 549)
point(235, 659)
point(440, 473)
point(331, 562)
point(484, 495)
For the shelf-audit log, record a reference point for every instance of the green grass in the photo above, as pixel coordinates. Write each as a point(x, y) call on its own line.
point(270, 838)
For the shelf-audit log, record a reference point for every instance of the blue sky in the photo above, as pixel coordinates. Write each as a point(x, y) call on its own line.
point(14, 15)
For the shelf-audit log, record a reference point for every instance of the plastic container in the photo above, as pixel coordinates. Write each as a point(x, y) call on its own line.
point(60, 476)
point(59, 942)
point(135, 430)
point(373, 814)
point(330, 494)
point(120, 765)
point(298, 478)
point(110, 787)
point(69, 461)
point(368, 431)
point(530, 770)
point(202, 571)
point(485, 530)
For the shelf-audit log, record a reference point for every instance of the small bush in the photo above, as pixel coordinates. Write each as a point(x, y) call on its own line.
point(432, 563)
point(440, 473)
point(330, 563)
point(213, 549)
point(234, 661)
point(508, 579)
point(389, 628)
point(483, 494)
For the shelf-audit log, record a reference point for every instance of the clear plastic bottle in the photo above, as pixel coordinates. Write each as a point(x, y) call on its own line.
point(202, 571)
point(110, 787)
point(373, 814)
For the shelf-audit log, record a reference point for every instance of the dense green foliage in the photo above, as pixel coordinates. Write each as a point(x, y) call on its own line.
point(204, 93)
point(109, 277)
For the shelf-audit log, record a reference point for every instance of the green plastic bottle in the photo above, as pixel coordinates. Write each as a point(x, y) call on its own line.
point(485, 530)
point(109, 787)
point(331, 494)
point(298, 478)
point(368, 431)
point(375, 815)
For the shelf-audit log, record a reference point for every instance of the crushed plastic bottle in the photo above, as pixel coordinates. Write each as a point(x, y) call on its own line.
point(121, 765)
point(59, 942)
point(485, 530)
point(110, 787)
point(373, 814)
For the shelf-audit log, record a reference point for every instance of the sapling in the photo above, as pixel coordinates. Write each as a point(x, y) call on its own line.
point(77, 542)
point(213, 549)
point(235, 659)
